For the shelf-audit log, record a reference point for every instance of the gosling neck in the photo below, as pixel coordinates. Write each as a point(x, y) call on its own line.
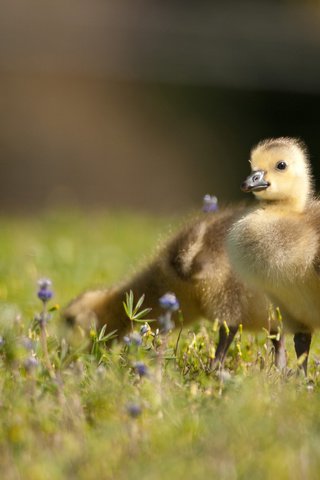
point(288, 205)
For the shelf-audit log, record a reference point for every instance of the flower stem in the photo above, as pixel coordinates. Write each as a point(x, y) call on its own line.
point(44, 344)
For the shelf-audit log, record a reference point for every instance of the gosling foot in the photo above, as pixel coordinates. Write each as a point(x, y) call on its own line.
point(302, 341)
point(225, 340)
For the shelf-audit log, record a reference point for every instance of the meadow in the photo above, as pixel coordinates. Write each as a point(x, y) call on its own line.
point(148, 408)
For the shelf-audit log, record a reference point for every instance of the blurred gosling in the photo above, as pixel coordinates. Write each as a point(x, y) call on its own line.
point(194, 265)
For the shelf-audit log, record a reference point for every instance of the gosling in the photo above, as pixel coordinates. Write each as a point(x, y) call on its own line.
point(194, 265)
point(275, 246)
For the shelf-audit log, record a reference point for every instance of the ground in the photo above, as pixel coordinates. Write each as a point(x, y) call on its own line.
point(94, 412)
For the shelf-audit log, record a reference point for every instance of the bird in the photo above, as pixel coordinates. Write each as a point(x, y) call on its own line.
point(275, 244)
point(193, 264)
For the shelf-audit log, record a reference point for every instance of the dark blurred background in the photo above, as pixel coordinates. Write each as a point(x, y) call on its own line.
point(149, 104)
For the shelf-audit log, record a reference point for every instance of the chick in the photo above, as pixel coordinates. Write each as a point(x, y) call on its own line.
point(194, 265)
point(275, 245)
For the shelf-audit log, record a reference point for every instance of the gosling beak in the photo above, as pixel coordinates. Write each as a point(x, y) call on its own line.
point(255, 182)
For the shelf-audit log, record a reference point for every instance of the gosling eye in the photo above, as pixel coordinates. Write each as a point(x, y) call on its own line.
point(281, 165)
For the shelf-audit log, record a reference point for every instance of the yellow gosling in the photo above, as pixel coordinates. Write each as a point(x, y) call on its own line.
point(275, 246)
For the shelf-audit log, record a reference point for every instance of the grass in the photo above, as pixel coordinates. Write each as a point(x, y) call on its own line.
point(95, 416)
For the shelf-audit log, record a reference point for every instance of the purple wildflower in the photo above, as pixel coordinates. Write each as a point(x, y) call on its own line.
point(134, 410)
point(45, 293)
point(133, 339)
point(145, 329)
point(27, 343)
point(141, 368)
point(210, 203)
point(30, 364)
point(169, 301)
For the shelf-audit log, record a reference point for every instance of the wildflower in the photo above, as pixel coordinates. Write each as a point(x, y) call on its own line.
point(210, 203)
point(30, 364)
point(136, 338)
point(27, 343)
point(2, 341)
point(169, 302)
point(145, 329)
point(141, 368)
point(134, 410)
point(133, 339)
point(45, 293)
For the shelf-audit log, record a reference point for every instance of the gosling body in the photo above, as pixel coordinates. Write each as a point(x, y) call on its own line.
point(194, 264)
point(275, 245)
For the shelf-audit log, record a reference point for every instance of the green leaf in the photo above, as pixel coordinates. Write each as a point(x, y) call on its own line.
point(144, 320)
point(101, 334)
point(141, 314)
point(109, 336)
point(139, 303)
point(130, 301)
point(126, 309)
point(128, 304)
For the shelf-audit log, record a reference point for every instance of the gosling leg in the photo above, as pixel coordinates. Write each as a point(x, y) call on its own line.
point(225, 340)
point(302, 341)
point(280, 359)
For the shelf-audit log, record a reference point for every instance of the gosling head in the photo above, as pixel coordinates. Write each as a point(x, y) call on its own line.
point(280, 173)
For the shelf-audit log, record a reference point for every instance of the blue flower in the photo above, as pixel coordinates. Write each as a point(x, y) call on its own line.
point(30, 364)
point(133, 339)
point(144, 329)
point(141, 368)
point(134, 410)
point(27, 343)
point(45, 293)
point(169, 302)
point(210, 203)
